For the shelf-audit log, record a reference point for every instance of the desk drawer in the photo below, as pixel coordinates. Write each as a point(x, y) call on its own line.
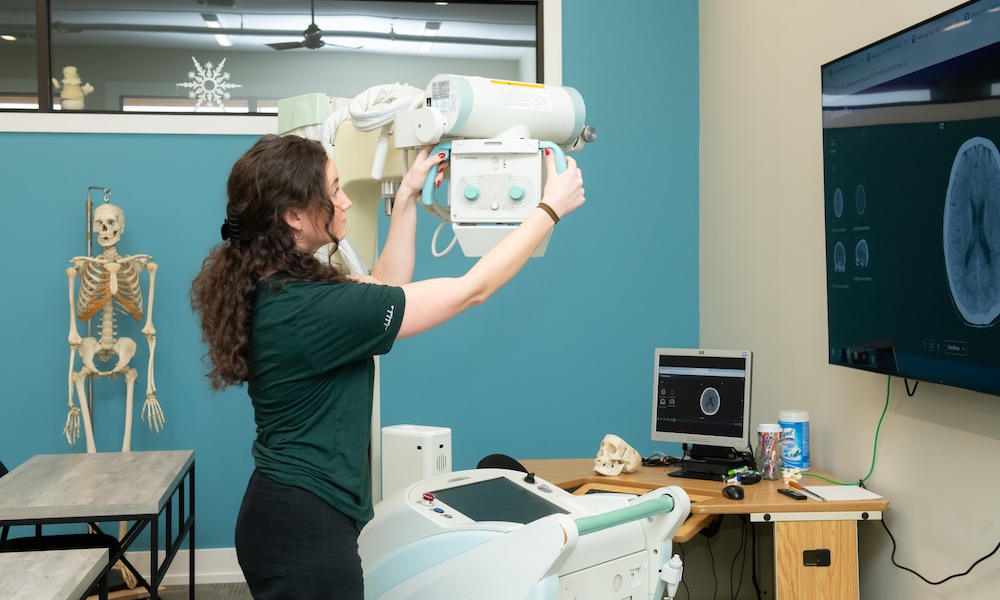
point(806, 570)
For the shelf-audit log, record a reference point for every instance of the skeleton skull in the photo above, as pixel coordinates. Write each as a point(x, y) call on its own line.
point(616, 456)
point(109, 222)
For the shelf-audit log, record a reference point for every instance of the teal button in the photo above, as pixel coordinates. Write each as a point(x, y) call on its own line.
point(517, 192)
point(471, 192)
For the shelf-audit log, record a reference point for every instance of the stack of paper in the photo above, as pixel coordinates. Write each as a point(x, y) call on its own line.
point(841, 492)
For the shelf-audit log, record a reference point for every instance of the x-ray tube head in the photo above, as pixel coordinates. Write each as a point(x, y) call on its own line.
point(457, 106)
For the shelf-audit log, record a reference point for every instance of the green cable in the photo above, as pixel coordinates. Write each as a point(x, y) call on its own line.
point(888, 383)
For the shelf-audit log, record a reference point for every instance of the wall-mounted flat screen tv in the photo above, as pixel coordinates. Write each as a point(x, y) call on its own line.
point(911, 128)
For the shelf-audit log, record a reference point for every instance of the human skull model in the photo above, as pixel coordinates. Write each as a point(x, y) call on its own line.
point(616, 456)
point(109, 222)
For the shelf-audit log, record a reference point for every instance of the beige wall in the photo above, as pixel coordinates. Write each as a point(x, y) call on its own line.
point(763, 287)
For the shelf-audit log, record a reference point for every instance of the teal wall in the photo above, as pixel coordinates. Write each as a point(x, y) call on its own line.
point(557, 359)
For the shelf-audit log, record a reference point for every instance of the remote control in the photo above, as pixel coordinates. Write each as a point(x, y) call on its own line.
point(792, 493)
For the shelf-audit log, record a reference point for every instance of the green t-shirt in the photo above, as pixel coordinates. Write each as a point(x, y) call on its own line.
point(312, 385)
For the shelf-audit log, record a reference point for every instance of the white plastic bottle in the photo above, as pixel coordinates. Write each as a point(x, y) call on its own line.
point(794, 439)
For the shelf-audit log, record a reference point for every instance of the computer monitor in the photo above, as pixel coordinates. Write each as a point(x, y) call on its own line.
point(911, 126)
point(701, 399)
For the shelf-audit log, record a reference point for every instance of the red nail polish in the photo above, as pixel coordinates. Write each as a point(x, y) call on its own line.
point(547, 152)
point(441, 155)
point(437, 184)
point(441, 169)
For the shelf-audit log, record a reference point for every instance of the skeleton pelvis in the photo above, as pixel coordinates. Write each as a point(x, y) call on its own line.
point(123, 347)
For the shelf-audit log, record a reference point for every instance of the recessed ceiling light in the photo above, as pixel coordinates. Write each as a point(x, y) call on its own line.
point(431, 29)
point(212, 21)
point(7, 37)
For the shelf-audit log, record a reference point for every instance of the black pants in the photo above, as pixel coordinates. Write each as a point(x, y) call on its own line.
point(293, 546)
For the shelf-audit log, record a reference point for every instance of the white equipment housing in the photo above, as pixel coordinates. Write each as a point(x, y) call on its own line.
point(319, 117)
point(495, 131)
point(505, 535)
point(411, 453)
point(456, 106)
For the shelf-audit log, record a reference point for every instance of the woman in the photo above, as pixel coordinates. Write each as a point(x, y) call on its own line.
point(303, 335)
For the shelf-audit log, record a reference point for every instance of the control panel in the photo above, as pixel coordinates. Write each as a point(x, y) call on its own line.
point(495, 181)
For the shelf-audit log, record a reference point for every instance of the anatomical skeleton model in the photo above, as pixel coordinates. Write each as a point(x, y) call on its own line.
point(109, 282)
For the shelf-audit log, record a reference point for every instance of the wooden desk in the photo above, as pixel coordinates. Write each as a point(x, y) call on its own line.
point(800, 526)
point(109, 486)
point(55, 574)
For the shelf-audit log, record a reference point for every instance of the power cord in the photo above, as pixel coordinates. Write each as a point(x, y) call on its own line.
point(753, 560)
point(878, 428)
point(928, 581)
point(861, 483)
point(747, 456)
point(748, 543)
point(687, 591)
point(715, 576)
point(735, 587)
point(659, 459)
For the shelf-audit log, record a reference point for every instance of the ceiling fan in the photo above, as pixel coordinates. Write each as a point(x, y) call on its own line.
point(312, 37)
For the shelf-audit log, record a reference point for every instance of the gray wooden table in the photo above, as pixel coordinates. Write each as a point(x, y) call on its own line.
point(53, 574)
point(137, 487)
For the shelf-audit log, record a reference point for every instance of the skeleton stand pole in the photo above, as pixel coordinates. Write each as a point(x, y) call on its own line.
point(90, 252)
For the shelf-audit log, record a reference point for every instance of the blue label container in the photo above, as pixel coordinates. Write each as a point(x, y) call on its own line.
point(794, 439)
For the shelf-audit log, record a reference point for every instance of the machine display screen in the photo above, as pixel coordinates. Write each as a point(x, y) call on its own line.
point(497, 500)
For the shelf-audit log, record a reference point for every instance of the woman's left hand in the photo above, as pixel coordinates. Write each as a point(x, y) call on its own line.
point(413, 182)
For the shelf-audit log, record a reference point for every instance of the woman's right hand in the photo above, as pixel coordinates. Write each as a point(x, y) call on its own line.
point(563, 191)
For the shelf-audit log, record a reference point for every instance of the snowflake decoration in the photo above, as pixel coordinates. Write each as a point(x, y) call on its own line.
point(209, 85)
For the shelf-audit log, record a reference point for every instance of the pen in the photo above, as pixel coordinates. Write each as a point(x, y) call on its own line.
point(799, 486)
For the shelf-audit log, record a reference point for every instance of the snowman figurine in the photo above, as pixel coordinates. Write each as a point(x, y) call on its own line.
point(72, 92)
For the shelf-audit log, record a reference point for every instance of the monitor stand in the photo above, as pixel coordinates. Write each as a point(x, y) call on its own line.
point(710, 462)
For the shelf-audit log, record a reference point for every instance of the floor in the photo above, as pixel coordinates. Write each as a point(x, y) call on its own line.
point(208, 591)
point(202, 591)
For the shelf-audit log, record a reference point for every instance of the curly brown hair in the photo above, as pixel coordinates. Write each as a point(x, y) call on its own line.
point(277, 174)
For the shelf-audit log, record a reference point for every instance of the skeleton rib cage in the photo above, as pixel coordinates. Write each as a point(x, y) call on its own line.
point(103, 281)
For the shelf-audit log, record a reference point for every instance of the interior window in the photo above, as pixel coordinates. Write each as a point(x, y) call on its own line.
point(240, 56)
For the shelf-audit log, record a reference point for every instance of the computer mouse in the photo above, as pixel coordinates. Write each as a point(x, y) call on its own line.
point(733, 492)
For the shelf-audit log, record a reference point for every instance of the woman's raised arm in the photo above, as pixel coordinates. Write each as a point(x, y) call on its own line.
point(395, 263)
